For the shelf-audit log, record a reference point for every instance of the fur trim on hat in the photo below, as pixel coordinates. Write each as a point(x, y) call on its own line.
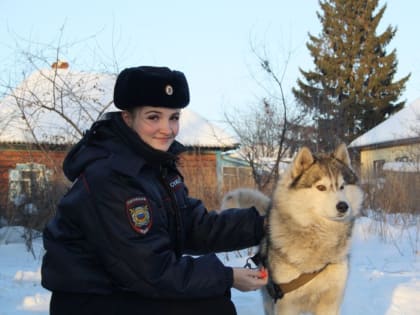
point(151, 86)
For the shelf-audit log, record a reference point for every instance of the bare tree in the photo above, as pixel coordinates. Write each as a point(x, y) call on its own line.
point(49, 106)
point(48, 93)
point(271, 132)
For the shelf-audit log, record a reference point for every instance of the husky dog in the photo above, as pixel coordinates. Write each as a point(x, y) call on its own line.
point(246, 198)
point(310, 223)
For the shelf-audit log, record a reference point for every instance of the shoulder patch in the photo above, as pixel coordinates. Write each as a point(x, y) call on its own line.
point(139, 214)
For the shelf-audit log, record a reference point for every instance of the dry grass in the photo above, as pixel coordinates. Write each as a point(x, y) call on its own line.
point(393, 200)
point(37, 209)
point(395, 192)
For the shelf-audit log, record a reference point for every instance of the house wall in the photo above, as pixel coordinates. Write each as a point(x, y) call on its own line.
point(234, 173)
point(208, 176)
point(199, 169)
point(200, 173)
point(370, 158)
point(10, 157)
point(404, 186)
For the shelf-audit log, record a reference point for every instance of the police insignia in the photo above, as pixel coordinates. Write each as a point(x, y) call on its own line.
point(138, 212)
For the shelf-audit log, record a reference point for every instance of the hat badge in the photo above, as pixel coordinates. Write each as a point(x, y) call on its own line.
point(169, 89)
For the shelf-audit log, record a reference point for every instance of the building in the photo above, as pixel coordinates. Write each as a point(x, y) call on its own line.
point(49, 111)
point(396, 139)
point(390, 158)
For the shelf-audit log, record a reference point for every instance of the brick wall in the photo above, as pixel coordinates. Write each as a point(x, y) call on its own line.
point(198, 168)
point(200, 174)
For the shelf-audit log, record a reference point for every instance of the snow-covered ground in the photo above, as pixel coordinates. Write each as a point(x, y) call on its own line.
point(384, 276)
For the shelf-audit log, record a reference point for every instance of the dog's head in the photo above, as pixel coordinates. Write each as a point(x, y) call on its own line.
point(328, 184)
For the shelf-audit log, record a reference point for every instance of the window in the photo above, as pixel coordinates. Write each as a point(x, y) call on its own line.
point(378, 167)
point(26, 181)
point(403, 158)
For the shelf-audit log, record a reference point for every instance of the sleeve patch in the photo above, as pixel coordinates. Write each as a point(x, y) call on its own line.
point(176, 183)
point(139, 214)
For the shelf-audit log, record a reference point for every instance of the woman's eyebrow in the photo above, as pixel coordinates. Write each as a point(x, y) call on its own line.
point(153, 112)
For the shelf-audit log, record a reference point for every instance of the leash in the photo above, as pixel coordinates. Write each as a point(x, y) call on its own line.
point(256, 259)
point(274, 290)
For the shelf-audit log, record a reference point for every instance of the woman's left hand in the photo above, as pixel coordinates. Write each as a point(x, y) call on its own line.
point(245, 279)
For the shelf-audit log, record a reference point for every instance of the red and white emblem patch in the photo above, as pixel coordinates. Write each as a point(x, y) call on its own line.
point(139, 214)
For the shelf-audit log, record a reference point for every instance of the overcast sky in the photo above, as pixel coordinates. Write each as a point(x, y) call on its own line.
point(210, 41)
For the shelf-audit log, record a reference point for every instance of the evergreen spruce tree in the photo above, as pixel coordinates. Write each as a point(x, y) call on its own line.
point(351, 89)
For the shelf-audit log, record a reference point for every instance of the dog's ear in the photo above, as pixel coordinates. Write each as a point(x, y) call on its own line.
point(303, 160)
point(342, 154)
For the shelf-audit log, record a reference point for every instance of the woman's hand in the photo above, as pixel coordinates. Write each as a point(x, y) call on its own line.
point(245, 279)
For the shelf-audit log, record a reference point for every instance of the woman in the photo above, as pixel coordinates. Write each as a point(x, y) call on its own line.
point(120, 238)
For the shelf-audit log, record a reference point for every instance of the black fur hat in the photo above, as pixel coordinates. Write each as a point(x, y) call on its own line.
point(151, 86)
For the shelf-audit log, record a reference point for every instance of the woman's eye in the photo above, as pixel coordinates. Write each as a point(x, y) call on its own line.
point(175, 117)
point(153, 117)
point(321, 188)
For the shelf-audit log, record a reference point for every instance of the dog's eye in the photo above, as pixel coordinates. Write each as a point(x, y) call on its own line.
point(342, 187)
point(321, 187)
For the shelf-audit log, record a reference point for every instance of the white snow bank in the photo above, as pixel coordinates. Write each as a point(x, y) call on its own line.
point(384, 276)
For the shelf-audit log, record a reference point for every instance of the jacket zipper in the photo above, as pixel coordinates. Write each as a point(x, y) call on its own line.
point(174, 210)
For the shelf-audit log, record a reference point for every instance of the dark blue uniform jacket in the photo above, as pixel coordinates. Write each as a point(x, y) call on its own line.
point(127, 224)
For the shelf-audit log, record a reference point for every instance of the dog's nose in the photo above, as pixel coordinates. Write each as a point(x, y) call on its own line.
point(342, 207)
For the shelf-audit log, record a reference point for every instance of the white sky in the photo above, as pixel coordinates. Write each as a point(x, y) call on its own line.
point(208, 40)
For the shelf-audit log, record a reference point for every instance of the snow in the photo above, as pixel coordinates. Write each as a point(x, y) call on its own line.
point(384, 275)
point(196, 131)
point(403, 125)
point(407, 167)
point(81, 97)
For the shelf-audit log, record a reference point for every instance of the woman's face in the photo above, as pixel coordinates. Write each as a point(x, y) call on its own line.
point(157, 126)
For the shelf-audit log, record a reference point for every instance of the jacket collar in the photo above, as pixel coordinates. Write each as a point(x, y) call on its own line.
point(111, 138)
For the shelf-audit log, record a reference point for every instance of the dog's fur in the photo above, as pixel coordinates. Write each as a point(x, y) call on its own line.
point(310, 223)
point(246, 198)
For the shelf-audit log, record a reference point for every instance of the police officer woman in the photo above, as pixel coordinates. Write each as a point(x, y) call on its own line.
point(127, 238)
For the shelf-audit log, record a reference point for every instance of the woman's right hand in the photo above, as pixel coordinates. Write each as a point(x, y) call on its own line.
point(245, 279)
